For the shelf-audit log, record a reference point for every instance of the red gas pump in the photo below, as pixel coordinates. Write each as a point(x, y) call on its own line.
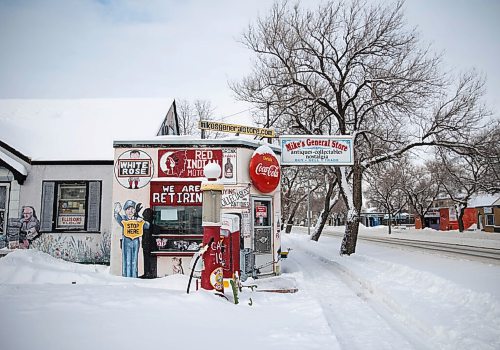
point(230, 231)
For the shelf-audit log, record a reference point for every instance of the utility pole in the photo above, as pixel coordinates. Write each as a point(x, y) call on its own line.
point(267, 120)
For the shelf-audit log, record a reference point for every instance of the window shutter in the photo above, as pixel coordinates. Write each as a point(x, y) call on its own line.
point(94, 206)
point(48, 189)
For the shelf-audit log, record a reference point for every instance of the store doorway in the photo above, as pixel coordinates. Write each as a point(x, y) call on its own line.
point(263, 233)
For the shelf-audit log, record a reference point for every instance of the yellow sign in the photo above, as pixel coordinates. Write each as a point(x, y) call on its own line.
point(132, 228)
point(233, 128)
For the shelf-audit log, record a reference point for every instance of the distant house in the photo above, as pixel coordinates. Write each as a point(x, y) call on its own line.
point(371, 217)
point(56, 169)
point(480, 214)
point(488, 212)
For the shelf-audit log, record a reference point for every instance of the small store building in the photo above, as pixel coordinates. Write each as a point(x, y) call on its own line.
point(157, 205)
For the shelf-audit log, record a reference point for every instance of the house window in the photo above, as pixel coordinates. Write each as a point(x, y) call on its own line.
point(490, 220)
point(71, 206)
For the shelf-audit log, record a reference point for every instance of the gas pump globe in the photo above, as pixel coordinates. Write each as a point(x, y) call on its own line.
point(212, 274)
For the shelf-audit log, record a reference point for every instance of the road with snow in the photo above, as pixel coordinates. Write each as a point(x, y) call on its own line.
point(413, 299)
point(343, 295)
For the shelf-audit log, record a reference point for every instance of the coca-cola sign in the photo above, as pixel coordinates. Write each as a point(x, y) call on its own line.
point(264, 170)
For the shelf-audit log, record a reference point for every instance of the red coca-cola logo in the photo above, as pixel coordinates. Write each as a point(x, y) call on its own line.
point(264, 170)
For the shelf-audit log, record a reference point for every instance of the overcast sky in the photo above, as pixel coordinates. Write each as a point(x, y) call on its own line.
point(189, 49)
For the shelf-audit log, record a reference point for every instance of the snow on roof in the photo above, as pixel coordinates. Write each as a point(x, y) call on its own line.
point(13, 163)
point(82, 129)
point(482, 200)
point(264, 149)
point(194, 140)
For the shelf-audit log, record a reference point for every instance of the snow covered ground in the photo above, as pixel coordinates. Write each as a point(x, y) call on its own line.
point(379, 298)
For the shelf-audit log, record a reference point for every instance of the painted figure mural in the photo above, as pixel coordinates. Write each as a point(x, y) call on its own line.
point(29, 227)
point(177, 266)
point(132, 230)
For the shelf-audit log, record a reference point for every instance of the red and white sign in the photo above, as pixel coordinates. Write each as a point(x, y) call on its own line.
point(176, 193)
point(71, 220)
point(261, 211)
point(186, 163)
point(264, 170)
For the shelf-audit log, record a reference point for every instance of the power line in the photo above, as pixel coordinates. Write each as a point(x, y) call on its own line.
point(245, 110)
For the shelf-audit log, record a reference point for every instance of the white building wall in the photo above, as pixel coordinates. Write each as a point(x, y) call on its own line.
point(73, 246)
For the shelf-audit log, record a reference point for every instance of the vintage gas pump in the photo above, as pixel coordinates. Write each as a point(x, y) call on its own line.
point(230, 231)
point(212, 273)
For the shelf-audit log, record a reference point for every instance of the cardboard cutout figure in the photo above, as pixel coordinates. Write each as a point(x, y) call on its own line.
point(132, 229)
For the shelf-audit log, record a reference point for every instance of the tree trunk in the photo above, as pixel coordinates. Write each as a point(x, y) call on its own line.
point(324, 213)
point(322, 221)
point(390, 223)
point(461, 212)
point(348, 246)
point(289, 222)
point(422, 220)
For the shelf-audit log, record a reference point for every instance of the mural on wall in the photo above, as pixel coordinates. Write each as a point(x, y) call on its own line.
point(177, 266)
point(24, 231)
point(186, 163)
point(134, 169)
point(189, 163)
point(30, 227)
point(132, 229)
point(93, 249)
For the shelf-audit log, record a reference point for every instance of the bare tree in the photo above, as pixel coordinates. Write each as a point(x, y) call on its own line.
point(330, 198)
point(462, 177)
point(190, 113)
point(359, 72)
point(295, 191)
point(187, 118)
point(422, 186)
point(488, 155)
point(386, 189)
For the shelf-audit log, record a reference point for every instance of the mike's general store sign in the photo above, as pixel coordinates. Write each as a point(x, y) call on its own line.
point(316, 150)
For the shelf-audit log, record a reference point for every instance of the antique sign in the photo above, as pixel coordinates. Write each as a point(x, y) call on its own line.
point(132, 228)
point(234, 128)
point(264, 170)
point(317, 150)
point(176, 193)
point(134, 169)
point(236, 197)
point(186, 163)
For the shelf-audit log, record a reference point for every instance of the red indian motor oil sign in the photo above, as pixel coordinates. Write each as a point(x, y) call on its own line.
point(187, 163)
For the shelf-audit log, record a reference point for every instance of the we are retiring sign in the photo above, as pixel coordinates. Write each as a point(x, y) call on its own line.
point(316, 150)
